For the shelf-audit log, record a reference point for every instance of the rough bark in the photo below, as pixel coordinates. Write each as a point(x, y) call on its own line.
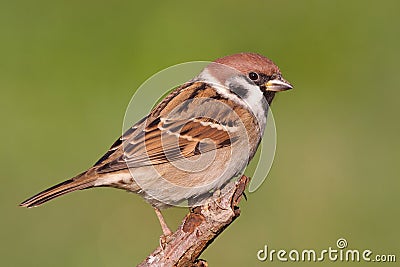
point(199, 229)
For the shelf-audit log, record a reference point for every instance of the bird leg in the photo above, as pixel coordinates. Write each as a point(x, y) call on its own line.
point(166, 231)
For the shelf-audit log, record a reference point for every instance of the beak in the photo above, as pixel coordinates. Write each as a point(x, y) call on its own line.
point(278, 85)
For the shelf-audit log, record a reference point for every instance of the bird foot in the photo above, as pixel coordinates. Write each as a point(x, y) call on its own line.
point(167, 233)
point(164, 240)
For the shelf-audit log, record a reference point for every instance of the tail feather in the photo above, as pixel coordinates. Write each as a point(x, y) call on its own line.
point(77, 183)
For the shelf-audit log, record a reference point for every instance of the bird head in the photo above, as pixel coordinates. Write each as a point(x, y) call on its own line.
point(241, 73)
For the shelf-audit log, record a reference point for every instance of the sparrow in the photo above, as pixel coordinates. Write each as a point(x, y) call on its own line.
point(197, 139)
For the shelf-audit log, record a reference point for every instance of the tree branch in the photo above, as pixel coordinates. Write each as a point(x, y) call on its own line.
point(199, 228)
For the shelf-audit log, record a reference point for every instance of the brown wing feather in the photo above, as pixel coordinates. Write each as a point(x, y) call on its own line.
point(162, 137)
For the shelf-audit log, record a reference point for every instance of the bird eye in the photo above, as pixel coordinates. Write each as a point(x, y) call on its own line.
point(253, 76)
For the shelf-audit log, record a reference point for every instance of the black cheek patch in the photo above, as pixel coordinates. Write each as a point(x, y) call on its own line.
point(239, 90)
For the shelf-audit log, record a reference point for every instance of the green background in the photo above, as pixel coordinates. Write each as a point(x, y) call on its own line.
point(69, 68)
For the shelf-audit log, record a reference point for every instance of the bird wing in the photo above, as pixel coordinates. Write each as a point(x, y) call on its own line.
point(189, 121)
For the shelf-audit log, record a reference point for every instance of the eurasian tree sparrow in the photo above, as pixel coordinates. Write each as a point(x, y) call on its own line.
point(193, 142)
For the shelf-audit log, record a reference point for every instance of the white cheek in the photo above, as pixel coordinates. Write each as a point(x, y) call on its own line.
point(255, 100)
point(221, 89)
